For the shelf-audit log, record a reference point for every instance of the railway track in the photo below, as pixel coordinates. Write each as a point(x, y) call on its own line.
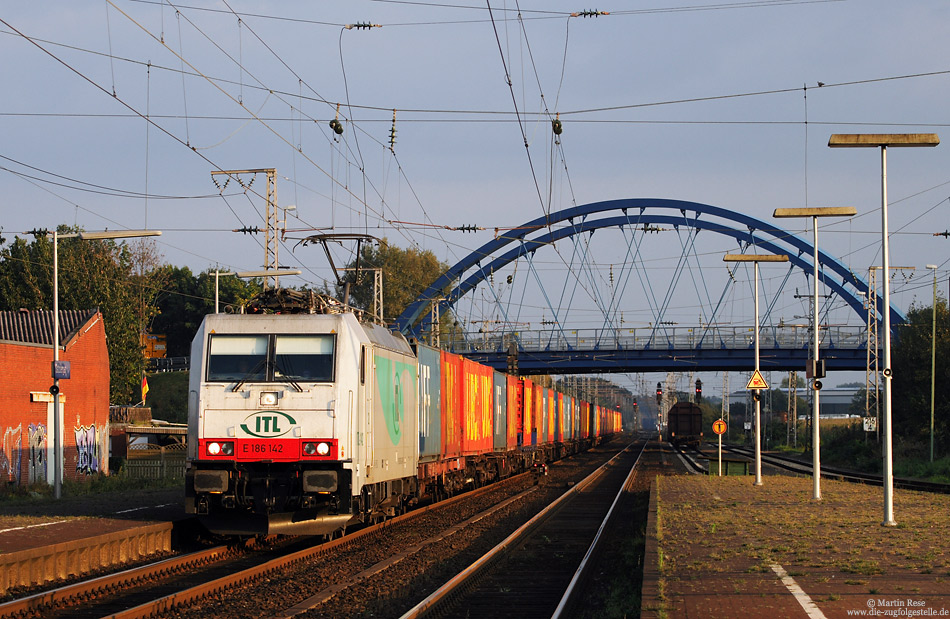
point(793, 465)
point(797, 466)
point(332, 576)
point(160, 586)
point(537, 570)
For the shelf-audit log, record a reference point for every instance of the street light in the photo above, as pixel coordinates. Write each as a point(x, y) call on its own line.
point(933, 361)
point(56, 371)
point(216, 274)
point(882, 141)
point(814, 366)
point(755, 260)
point(270, 273)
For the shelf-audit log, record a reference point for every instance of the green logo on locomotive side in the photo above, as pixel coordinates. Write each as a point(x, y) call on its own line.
point(394, 380)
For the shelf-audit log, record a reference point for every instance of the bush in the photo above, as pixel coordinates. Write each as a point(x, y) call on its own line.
point(168, 396)
point(848, 446)
point(938, 470)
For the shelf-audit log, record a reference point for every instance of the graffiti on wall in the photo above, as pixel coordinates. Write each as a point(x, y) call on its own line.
point(11, 455)
point(37, 453)
point(87, 450)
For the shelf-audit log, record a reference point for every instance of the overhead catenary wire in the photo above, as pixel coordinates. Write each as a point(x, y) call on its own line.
point(273, 131)
point(384, 212)
point(536, 14)
point(514, 101)
point(408, 109)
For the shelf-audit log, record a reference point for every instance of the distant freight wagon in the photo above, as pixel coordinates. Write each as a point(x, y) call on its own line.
point(684, 424)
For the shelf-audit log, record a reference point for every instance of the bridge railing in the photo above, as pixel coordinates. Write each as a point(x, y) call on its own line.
point(663, 337)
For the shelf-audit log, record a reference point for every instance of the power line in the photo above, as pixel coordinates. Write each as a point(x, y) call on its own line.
point(471, 112)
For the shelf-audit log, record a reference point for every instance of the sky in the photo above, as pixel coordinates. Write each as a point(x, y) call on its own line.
point(114, 114)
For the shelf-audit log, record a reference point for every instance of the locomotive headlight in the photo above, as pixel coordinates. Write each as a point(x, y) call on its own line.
point(316, 449)
point(269, 398)
point(225, 448)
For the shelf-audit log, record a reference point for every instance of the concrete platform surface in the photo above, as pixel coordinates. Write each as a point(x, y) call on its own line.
point(47, 540)
point(722, 547)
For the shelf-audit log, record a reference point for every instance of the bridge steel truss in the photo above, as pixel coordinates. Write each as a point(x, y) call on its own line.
point(705, 348)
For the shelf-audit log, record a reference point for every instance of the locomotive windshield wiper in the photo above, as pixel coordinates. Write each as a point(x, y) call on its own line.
point(287, 379)
point(254, 370)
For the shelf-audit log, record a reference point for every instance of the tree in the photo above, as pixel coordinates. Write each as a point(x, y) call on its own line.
point(185, 300)
point(910, 360)
point(799, 381)
point(92, 274)
point(406, 274)
point(851, 385)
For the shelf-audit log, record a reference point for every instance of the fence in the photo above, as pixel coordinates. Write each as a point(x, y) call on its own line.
point(155, 462)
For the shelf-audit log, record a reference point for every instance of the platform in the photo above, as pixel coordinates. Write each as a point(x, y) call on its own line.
point(722, 547)
point(51, 540)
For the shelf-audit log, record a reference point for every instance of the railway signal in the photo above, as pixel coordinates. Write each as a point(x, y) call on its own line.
point(659, 394)
point(719, 427)
point(699, 390)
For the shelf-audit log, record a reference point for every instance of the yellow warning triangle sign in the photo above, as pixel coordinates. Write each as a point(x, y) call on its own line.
point(757, 382)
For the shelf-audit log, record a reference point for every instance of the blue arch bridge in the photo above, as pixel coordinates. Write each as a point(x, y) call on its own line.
point(662, 346)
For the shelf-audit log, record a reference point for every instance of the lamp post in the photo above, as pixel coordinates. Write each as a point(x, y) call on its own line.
point(267, 273)
point(755, 260)
point(882, 141)
point(933, 361)
point(216, 274)
point(56, 370)
point(814, 365)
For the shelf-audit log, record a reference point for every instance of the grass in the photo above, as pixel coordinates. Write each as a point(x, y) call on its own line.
point(93, 484)
point(865, 567)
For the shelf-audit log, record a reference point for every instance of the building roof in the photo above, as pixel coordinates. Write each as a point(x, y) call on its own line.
point(36, 326)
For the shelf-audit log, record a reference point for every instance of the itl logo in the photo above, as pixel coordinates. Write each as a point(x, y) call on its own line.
point(268, 424)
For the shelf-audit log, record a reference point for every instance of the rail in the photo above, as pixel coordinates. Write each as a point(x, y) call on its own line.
point(444, 597)
point(572, 591)
point(797, 466)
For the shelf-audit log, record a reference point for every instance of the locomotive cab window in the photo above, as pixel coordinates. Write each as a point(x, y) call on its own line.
point(237, 357)
point(274, 358)
point(304, 358)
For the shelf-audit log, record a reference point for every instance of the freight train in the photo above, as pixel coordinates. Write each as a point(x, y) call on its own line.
point(306, 423)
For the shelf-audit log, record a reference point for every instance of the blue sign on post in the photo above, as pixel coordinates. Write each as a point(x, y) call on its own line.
point(61, 369)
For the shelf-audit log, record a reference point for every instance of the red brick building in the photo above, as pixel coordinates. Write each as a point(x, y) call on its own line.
point(26, 406)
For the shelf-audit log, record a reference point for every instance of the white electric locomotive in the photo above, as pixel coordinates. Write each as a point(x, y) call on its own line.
point(299, 423)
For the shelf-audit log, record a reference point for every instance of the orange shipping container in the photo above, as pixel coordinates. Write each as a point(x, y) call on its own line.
point(477, 406)
point(585, 420)
point(538, 414)
point(529, 429)
point(514, 411)
point(451, 405)
point(560, 419)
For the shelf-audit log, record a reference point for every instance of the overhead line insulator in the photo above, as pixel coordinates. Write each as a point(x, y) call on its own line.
point(362, 26)
point(590, 13)
point(392, 133)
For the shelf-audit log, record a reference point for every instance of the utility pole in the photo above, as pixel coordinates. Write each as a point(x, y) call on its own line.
point(872, 384)
point(792, 438)
point(271, 241)
point(377, 291)
point(872, 387)
point(724, 413)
